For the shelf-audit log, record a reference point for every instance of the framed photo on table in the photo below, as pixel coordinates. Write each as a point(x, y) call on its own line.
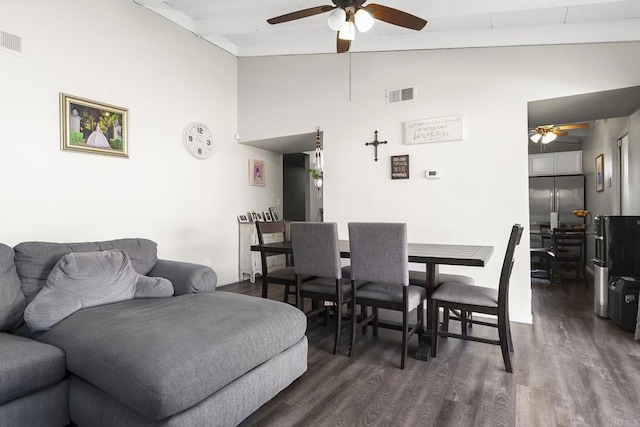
point(274, 213)
point(600, 173)
point(267, 216)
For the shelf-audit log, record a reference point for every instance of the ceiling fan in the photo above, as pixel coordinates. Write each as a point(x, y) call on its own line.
point(349, 14)
point(544, 134)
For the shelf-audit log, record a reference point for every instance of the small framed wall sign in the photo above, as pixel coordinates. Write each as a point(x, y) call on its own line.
point(600, 173)
point(93, 127)
point(400, 167)
point(433, 130)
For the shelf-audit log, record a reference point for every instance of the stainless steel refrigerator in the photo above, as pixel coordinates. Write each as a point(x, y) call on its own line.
point(560, 194)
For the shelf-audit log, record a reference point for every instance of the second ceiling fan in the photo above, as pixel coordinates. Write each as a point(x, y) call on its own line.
point(349, 14)
point(547, 133)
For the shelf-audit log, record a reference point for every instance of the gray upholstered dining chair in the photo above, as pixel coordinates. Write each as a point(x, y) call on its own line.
point(317, 254)
point(281, 276)
point(379, 255)
point(478, 299)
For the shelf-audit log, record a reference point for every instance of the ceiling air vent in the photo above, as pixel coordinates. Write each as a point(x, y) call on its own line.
point(395, 96)
point(10, 42)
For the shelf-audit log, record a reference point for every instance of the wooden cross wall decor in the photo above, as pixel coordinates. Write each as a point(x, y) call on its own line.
point(375, 143)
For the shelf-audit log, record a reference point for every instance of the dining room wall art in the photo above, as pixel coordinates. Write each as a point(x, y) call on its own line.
point(257, 173)
point(436, 129)
point(600, 173)
point(400, 167)
point(93, 127)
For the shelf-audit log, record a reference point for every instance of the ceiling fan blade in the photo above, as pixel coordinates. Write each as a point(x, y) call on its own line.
point(573, 126)
point(343, 45)
point(395, 17)
point(560, 133)
point(304, 13)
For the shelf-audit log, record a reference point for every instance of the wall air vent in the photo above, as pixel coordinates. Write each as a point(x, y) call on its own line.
point(10, 42)
point(404, 94)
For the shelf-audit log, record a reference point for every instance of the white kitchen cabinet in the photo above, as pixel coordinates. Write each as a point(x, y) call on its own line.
point(250, 262)
point(562, 163)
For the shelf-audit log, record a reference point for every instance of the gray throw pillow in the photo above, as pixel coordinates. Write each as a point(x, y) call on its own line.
point(11, 297)
point(88, 279)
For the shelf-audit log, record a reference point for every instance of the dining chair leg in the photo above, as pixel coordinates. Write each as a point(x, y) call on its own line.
point(265, 287)
point(375, 321)
point(364, 315)
point(338, 323)
point(405, 325)
point(286, 294)
point(463, 321)
point(445, 321)
point(434, 309)
point(504, 345)
point(508, 326)
point(353, 318)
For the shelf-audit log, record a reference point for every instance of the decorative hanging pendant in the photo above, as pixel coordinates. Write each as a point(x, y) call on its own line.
point(317, 170)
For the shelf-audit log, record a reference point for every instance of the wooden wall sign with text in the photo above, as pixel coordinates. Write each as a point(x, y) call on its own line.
point(400, 167)
point(433, 130)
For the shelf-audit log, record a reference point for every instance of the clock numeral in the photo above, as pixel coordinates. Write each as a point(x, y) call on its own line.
point(200, 130)
point(190, 138)
point(199, 150)
point(208, 142)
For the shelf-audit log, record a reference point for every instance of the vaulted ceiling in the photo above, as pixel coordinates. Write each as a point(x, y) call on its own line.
point(240, 26)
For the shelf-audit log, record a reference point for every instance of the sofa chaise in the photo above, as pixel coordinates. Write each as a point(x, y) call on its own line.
point(198, 358)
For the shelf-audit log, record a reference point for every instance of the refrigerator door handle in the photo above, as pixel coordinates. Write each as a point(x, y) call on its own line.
point(557, 200)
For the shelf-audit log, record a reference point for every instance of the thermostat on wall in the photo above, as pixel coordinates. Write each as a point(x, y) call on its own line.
point(433, 174)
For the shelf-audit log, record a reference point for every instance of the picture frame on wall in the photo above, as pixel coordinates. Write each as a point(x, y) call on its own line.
point(259, 217)
point(257, 173)
point(93, 127)
point(600, 173)
point(267, 216)
point(254, 217)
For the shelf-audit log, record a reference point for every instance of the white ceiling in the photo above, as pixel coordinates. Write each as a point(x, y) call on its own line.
point(240, 27)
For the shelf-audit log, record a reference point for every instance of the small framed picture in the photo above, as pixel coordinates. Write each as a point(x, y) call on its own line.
point(94, 127)
point(259, 217)
point(600, 173)
point(274, 213)
point(257, 173)
point(243, 218)
point(254, 217)
point(267, 216)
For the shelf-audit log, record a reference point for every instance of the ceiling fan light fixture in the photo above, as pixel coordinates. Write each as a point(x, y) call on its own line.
point(364, 20)
point(535, 138)
point(548, 137)
point(347, 32)
point(337, 19)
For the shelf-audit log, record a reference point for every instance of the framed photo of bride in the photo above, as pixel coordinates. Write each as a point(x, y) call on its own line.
point(93, 127)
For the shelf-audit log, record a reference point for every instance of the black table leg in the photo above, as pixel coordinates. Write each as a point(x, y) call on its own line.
point(424, 344)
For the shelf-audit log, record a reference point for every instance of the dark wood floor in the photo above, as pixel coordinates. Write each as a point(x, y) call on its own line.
point(571, 368)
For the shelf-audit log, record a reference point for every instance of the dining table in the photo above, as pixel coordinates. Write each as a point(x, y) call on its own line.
point(431, 254)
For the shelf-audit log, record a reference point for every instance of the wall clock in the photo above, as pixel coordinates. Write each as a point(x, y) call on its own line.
point(198, 140)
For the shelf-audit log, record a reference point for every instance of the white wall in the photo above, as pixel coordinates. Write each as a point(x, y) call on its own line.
point(484, 188)
point(122, 54)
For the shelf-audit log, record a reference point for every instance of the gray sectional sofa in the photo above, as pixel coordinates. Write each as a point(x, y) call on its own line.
point(197, 358)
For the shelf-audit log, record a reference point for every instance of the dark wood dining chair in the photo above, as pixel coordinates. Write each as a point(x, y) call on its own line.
point(477, 299)
point(269, 232)
point(568, 246)
point(379, 256)
point(317, 254)
point(542, 257)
